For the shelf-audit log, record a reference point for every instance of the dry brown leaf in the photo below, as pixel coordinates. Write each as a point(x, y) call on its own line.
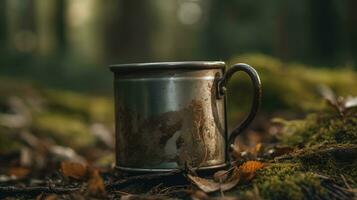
point(247, 170)
point(258, 148)
point(208, 185)
point(19, 172)
point(220, 176)
point(96, 184)
point(51, 197)
point(232, 181)
point(244, 153)
point(205, 185)
point(280, 150)
point(47, 197)
point(350, 102)
point(143, 197)
point(74, 170)
point(199, 195)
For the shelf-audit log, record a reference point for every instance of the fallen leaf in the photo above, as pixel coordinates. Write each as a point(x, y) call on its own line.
point(103, 134)
point(208, 185)
point(199, 195)
point(258, 149)
point(220, 176)
point(26, 157)
point(19, 172)
point(47, 197)
point(61, 153)
point(247, 170)
point(350, 102)
point(51, 197)
point(74, 170)
point(244, 153)
point(143, 197)
point(280, 150)
point(96, 184)
point(341, 104)
point(327, 93)
point(232, 180)
point(205, 185)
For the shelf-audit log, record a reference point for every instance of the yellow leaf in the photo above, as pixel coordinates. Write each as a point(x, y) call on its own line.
point(248, 169)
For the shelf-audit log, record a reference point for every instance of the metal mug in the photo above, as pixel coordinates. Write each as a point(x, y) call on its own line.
point(172, 114)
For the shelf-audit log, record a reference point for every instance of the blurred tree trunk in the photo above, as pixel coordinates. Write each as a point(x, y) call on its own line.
point(46, 27)
point(20, 25)
point(84, 29)
point(128, 30)
point(61, 24)
point(2, 25)
point(323, 27)
point(282, 36)
point(352, 26)
point(50, 26)
point(180, 25)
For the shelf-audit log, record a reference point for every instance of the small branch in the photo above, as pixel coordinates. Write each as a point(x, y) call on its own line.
point(343, 152)
point(122, 183)
point(6, 191)
point(348, 151)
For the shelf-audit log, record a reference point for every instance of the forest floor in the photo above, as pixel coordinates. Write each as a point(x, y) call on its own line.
point(303, 145)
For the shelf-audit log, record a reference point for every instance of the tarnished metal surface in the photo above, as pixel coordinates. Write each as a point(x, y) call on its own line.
point(167, 119)
point(170, 114)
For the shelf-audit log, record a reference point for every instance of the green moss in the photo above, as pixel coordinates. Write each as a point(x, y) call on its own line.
point(287, 181)
point(327, 147)
point(90, 108)
point(65, 130)
point(303, 177)
point(324, 128)
point(8, 143)
point(106, 161)
point(330, 160)
point(20, 88)
point(61, 115)
point(289, 86)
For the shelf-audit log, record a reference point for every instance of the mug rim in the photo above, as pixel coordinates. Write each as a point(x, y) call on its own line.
point(168, 65)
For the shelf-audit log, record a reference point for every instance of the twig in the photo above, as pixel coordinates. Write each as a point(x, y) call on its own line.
point(139, 179)
point(6, 191)
point(122, 192)
point(337, 192)
point(345, 181)
point(345, 152)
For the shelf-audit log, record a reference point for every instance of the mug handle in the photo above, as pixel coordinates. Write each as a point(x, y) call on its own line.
point(257, 94)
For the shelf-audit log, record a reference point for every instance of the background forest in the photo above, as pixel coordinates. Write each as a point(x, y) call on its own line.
point(76, 40)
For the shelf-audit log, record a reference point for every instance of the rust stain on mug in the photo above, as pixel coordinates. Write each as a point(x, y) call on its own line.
point(177, 136)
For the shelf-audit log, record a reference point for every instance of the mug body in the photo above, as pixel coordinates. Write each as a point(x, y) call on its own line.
point(168, 115)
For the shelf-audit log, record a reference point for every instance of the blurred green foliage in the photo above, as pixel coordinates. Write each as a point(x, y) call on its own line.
point(288, 87)
point(62, 116)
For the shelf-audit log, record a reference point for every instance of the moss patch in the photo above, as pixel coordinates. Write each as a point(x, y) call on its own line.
point(90, 108)
point(64, 130)
point(287, 181)
point(289, 86)
point(317, 129)
point(326, 146)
